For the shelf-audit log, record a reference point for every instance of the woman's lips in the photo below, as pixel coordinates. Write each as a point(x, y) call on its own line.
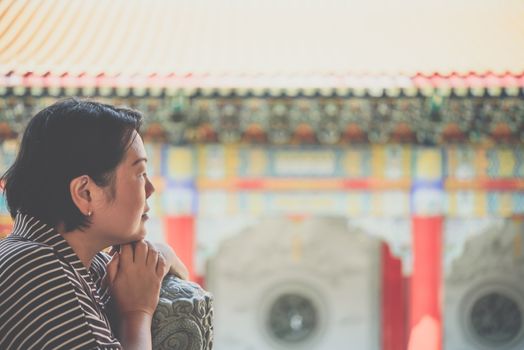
point(145, 216)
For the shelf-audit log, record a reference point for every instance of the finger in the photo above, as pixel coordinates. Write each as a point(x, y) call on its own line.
point(161, 266)
point(126, 254)
point(112, 268)
point(152, 254)
point(141, 249)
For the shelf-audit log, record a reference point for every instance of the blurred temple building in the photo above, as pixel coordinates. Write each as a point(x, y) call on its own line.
point(341, 175)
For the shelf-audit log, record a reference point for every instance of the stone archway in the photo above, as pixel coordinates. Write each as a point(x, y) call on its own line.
point(283, 284)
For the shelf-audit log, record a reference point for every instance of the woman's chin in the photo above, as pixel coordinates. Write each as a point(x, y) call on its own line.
point(139, 236)
point(142, 234)
point(135, 237)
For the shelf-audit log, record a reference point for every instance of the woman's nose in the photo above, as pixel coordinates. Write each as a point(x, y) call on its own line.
point(149, 188)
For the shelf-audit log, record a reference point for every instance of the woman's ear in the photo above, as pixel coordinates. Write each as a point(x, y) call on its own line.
point(80, 188)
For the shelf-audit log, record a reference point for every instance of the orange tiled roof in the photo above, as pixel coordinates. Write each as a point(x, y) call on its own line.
point(266, 43)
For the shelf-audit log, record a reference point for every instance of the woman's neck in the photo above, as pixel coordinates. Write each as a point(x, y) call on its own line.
point(83, 244)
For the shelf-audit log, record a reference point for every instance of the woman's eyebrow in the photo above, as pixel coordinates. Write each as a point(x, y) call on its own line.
point(138, 161)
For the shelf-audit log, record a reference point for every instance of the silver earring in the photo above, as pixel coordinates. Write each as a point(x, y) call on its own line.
point(89, 213)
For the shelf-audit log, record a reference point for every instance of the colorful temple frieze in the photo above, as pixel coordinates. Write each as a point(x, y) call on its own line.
point(367, 181)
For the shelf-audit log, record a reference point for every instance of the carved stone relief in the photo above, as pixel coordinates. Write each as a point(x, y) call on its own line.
point(183, 319)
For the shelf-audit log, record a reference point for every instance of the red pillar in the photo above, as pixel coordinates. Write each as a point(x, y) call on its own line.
point(180, 235)
point(425, 308)
point(393, 303)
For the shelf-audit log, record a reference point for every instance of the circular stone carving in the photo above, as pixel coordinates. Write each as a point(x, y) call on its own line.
point(495, 319)
point(292, 318)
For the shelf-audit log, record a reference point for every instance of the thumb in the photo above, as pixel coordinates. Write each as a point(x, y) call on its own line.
point(112, 268)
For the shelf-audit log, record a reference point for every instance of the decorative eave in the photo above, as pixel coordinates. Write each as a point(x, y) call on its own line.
point(316, 120)
point(238, 54)
point(472, 84)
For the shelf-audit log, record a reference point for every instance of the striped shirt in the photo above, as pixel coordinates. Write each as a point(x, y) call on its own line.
point(48, 299)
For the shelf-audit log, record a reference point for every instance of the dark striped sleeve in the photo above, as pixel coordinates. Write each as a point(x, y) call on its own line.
point(38, 305)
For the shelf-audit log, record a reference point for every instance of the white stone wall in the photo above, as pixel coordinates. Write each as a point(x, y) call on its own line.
point(338, 270)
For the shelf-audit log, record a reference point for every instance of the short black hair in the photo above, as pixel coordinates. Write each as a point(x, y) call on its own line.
point(68, 139)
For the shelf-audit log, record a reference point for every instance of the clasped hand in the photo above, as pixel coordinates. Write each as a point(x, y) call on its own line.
point(135, 275)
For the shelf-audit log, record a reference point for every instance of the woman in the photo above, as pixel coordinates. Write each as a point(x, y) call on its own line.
point(78, 186)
